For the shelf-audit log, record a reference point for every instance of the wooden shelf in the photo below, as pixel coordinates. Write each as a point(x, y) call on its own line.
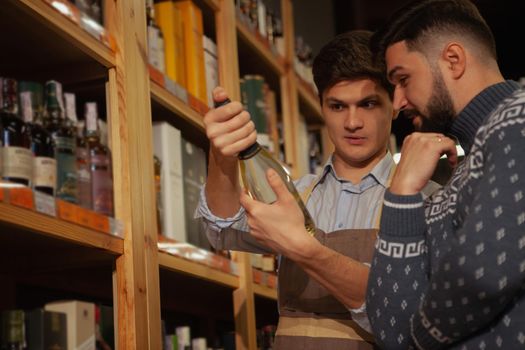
point(264, 291)
point(261, 52)
point(197, 270)
point(175, 105)
point(309, 102)
point(54, 228)
point(36, 15)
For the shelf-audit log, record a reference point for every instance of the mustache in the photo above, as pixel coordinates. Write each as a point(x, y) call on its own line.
point(410, 113)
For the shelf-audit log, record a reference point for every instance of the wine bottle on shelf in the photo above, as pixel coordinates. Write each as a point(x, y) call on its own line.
point(13, 335)
point(64, 138)
point(83, 168)
point(100, 164)
point(16, 139)
point(157, 170)
point(254, 161)
point(44, 177)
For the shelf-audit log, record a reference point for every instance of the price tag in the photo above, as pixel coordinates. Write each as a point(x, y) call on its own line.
point(271, 281)
point(67, 211)
point(45, 204)
point(257, 276)
point(85, 217)
point(22, 197)
point(156, 76)
point(100, 222)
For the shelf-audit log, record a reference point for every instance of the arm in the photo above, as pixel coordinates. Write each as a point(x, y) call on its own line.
point(280, 226)
point(484, 269)
point(229, 130)
point(399, 273)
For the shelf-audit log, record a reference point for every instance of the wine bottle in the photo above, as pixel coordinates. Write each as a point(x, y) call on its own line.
point(44, 177)
point(64, 138)
point(100, 164)
point(16, 138)
point(254, 161)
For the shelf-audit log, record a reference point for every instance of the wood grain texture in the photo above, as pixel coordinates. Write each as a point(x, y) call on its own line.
point(175, 105)
point(137, 280)
point(73, 33)
point(59, 229)
point(180, 265)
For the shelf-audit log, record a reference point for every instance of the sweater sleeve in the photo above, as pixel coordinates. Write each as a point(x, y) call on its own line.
point(399, 270)
point(485, 268)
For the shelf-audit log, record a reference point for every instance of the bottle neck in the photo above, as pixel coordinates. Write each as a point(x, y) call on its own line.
point(9, 98)
point(250, 151)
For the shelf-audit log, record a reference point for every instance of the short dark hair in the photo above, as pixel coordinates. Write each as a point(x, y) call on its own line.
point(347, 57)
point(419, 20)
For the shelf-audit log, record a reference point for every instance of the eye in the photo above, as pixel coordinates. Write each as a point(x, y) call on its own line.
point(336, 107)
point(369, 104)
point(403, 81)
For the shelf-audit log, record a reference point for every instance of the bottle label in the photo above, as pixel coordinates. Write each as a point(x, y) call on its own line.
point(17, 162)
point(66, 176)
point(102, 185)
point(44, 172)
point(27, 106)
point(65, 144)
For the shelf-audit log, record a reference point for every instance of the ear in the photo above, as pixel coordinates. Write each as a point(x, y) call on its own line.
point(454, 60)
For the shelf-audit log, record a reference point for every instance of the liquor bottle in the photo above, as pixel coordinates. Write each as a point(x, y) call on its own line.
point(155, 39)
point(157, 170)
point(100, 164)
point(16, 139)
point(64, 138)
point(254, 161)
point(44, 178)
point(13, 330)
point(83, 168)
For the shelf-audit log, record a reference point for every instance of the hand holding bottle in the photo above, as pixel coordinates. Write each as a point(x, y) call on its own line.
point(229, 127)
point(280, 225)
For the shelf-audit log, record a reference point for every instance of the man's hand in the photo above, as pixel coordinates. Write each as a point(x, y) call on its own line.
point(229, 128)
point(419, 157)
point(280, 225)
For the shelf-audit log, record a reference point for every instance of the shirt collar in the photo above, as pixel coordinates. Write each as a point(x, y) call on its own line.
point(380, 172)
point(467, 123)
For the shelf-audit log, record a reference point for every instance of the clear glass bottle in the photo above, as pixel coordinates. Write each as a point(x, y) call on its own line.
point(100, 164)
point(64, 138)
point(13, 334)
point(83, 168)
point(44, 178)
point(16, 138)
point(254, 161)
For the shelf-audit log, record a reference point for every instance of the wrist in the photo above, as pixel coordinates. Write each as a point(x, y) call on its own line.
point(308, 250)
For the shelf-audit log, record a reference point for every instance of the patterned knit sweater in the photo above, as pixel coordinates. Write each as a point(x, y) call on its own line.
point(449, 272)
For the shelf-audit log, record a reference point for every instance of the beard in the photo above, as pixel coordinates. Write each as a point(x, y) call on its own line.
point(439, 110)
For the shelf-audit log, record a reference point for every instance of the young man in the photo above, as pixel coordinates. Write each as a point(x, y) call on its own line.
point(319, 283)
point(449, 272)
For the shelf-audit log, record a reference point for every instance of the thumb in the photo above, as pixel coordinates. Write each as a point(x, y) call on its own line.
point(277, 184)
point(219, 95)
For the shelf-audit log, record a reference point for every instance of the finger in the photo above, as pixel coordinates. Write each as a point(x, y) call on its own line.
point(240, 145)
point(219, 94)
point(218, 128)
point(247, 202)
point(278, 185)
point(451, 151)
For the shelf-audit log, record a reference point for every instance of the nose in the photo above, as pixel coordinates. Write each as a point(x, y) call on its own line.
point(400, 100)
point(353, 121)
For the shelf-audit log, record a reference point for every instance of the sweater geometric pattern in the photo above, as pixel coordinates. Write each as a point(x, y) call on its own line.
point(449, 272)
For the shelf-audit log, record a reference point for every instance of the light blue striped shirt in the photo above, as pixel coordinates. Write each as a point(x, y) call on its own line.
point(334, 204)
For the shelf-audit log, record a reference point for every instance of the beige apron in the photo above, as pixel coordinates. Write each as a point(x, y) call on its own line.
point(310, 317)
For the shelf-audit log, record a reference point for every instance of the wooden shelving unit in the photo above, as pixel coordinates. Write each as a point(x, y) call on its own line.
point(139, 279)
